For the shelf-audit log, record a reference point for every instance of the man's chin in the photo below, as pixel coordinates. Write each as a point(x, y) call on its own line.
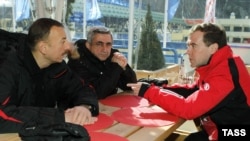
point(103, 58)
point(192, 65)
point(61, 60)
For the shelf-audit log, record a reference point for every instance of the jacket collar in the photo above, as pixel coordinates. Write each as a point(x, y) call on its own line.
point(30, 63)
point(28, 59)
point(222, 54)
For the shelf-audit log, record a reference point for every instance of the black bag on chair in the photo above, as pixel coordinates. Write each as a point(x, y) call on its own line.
point(54, 132)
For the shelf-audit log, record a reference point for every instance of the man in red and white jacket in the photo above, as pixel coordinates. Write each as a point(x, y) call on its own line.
point(221, 94)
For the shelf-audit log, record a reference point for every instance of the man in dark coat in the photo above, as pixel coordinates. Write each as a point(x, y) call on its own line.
point(36, 85)
point(99, 65)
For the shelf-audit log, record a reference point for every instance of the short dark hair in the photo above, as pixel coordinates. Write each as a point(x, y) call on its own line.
point(40, 30)
point(97, 29)
point(213, 33)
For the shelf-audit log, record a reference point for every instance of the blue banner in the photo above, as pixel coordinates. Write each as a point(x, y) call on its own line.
point(22, 9)
point(93, 10)
point(172, 7)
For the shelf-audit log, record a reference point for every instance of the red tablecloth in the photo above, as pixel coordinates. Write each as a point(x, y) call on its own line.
point(100, 136)
point(123, 101)
point(103, 121)
point(144, 116)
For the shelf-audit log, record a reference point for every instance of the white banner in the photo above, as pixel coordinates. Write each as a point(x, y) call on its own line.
point(209, 16)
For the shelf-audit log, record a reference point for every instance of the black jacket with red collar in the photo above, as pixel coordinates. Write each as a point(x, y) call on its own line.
point(222, 92)
point(28, 93)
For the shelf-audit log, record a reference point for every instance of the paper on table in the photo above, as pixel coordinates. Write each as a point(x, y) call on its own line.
point(144, 116)
point(103, 121)
point(124, 101)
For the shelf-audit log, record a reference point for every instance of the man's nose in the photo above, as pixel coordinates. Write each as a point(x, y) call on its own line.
point(69, 45)
point(187, 51)
point(106, 48)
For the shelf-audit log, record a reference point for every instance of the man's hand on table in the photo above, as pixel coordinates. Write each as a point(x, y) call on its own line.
point(79, 115)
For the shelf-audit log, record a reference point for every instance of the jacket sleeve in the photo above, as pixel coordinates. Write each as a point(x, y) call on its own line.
point(127, 76)
point(106, 79)
point(15, 110)
point(114, 77)
point(12, 118)
point(76, 91)
point(107, 83)
point(183, 89)
point(13, 115)
point(196, 104)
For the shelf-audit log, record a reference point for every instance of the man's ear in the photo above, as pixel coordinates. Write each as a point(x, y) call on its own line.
point(87, 45)
point(213, 48)
point(41, 46)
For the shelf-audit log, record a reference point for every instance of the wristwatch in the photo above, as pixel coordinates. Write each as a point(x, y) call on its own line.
point(87, 106)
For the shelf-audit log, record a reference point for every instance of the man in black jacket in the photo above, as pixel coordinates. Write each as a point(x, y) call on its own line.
point(99, 65)
point(36, 84)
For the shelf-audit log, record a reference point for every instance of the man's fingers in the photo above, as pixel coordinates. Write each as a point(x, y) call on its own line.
point(130, 84)
point(90, 120)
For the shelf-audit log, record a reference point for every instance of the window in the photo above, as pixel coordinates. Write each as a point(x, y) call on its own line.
point(236, 40)
point(114, 14)
point(246, 29)
point(237, 28)
point(227, 28)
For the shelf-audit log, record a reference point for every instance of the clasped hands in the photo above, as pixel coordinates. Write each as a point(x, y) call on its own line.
point(79, 115)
